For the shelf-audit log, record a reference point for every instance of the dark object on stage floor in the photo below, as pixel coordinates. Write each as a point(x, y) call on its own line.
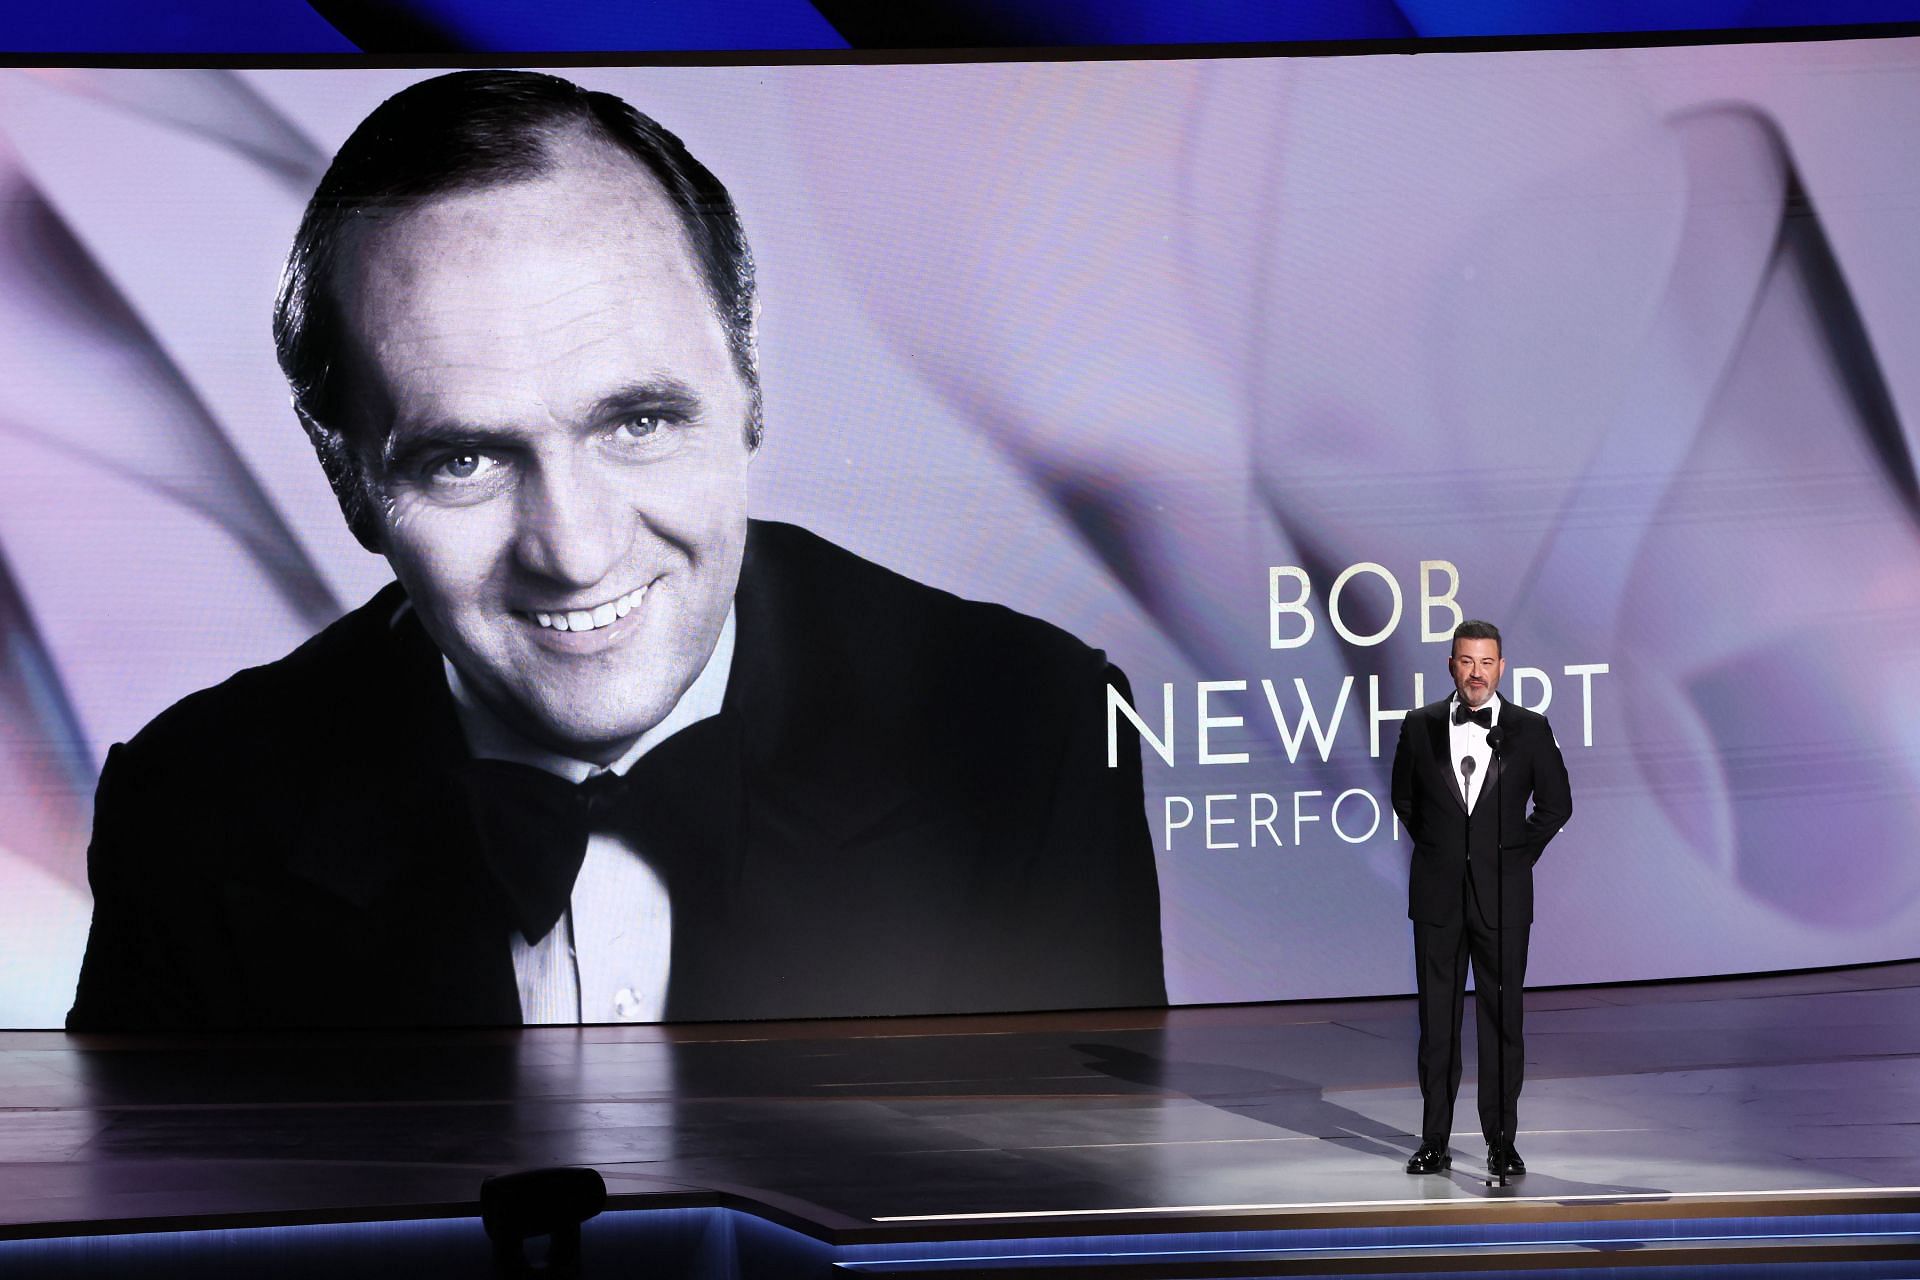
point(518, 1207)
point(1429, 1159)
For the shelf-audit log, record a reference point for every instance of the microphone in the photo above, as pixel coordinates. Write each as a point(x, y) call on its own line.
point(1496, 739)
point(1466, 773)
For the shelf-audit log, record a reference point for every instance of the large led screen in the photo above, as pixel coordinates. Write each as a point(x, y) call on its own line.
point(1256, 376)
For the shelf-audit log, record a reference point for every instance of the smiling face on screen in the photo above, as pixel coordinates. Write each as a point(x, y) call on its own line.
point(561, 473)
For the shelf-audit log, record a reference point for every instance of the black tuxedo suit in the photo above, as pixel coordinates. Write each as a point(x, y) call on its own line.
point(1460, 881)
point(904, 806)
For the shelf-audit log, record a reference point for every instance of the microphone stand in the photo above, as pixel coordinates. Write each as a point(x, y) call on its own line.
point(1496, 740)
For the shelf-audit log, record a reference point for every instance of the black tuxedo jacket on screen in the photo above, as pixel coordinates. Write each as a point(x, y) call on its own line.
point(1432, 808)
point(904, 806)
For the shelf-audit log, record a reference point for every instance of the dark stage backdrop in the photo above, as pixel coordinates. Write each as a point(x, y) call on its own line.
point(1254, 373)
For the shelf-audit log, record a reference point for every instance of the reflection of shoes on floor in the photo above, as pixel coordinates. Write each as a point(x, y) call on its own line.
point(1505, 1160)
point(1430, 1158)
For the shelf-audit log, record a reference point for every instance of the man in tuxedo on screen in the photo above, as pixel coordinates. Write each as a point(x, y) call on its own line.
point(1470, 890)
point(608, 750)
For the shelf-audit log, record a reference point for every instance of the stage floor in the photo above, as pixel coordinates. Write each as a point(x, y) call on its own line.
point(1802, 1090)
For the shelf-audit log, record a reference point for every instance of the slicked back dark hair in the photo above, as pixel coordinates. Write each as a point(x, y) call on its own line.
point(1474, 629)
point(465, 132)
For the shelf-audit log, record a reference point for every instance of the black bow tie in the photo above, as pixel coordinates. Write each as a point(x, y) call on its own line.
point(1483, 717)
point(679, 804)
point(532, 829)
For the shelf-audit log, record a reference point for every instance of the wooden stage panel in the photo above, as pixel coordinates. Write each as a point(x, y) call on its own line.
point(1730, 1096)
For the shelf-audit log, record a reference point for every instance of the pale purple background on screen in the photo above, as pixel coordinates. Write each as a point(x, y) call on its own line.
point(1630, 338)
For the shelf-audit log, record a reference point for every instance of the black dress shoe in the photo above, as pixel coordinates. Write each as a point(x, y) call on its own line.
point(1505, 1161)
point(1430, 1158)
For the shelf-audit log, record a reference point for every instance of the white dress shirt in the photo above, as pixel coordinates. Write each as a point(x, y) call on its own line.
point(1469, 740)
point(608, 957)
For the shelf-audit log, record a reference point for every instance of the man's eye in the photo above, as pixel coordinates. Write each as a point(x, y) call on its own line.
point(460, 468)
point(639, 427)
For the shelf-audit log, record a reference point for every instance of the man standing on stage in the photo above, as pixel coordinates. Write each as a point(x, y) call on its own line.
point(1470, 893)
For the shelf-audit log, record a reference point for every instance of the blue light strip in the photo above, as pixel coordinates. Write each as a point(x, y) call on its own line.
point(711, 1243)
point(1410, 1238)
point(909, 1260)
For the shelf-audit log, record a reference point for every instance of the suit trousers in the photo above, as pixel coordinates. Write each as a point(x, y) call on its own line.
point(1440, 955)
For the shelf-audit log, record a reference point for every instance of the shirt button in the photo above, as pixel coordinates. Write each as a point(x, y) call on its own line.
point(626, 1005)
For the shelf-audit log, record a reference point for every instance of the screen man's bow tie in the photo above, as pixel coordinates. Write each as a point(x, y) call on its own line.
point(1483, 717)
point(681, 806)
point(533, 828)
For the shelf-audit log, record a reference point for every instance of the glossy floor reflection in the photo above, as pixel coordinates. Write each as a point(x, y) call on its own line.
point(1751, 1085)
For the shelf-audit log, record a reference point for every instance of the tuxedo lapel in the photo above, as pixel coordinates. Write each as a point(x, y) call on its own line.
point(1441, 741)
point(396, 917)
point(1494, 760)
point(399, 740)
point(699, 807)
point(689, 820)
point(773, 810)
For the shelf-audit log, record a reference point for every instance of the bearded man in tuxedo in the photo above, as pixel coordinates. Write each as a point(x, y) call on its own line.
point(1463, 773)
